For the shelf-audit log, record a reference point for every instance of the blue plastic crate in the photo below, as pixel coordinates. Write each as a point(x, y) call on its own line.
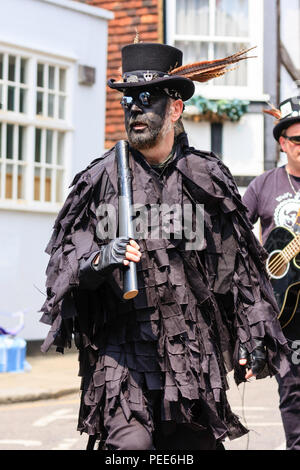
point(12, 354)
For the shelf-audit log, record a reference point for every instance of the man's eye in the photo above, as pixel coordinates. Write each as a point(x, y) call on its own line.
point(126, 101)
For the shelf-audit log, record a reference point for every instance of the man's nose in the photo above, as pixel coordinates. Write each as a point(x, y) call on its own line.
point(136, 108)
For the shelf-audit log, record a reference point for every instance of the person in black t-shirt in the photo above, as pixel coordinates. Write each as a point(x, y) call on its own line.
point(274, 198)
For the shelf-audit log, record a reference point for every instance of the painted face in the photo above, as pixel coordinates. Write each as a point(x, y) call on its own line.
point(145, 113)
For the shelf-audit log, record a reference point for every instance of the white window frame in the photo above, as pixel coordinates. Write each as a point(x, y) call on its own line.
point(31, 121)
point(254, 90)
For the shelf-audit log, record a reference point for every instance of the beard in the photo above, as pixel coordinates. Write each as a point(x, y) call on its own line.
point(145, 131)
point(146, 137)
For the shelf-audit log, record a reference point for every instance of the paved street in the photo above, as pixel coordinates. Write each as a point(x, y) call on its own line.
point(256, 403)
point(51, 424)
point(41, 425)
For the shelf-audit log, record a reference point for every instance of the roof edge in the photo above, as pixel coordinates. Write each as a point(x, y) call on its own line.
point(81, 8)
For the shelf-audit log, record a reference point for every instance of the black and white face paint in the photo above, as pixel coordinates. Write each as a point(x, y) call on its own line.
point(146, 124)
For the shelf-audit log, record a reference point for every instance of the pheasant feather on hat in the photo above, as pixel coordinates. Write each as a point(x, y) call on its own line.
point(276, 113)
point(207, 70)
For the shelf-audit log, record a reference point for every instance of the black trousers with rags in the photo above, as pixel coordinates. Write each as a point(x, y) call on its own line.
point(137, 433)
point(289, 392)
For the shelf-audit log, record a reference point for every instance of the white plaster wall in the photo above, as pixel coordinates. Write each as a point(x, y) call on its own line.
point(290, 28)
point(198, 134)
point(288, 86)
point(243, 145)
point(23, 238)
point(290, 36)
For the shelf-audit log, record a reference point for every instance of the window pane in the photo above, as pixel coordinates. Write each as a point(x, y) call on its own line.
point(51, 78)
point(11, 98)
point(9, 182)
point(51, 105)
point(0, 140)
point(49, 146)
point(23, 70)
point(60, 148)
point(39, 102)
point(37, 184)
point(48, 186)
point(61, 110)
point(21, 132)
point(1, 66)
point(232, 18)
point(11, 68)
point(22, 98)
point(40, 75)
point(193, 51)
point(59, 185)
point(21, 179)
point(239, 76)
point(62, 80)
point(38, 138)
point(192, 17)
point(9, 140)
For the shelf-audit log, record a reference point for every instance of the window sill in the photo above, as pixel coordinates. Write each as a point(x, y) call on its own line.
point(231, 93)
point(24, 206)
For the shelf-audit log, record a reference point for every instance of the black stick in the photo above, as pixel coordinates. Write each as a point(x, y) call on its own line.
point(125, 214)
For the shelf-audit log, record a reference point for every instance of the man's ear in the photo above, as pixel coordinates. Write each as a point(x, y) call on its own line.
point(282, 144)
point(177, 109)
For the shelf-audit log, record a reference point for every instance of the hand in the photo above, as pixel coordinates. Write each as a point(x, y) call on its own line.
point(116, 253)
point(255, 360)
point(132, 253)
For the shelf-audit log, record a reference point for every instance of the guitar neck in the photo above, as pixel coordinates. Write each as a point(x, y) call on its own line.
point(292, 249)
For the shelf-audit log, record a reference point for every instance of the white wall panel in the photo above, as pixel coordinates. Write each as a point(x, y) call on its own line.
point(243, 145)
point(198, 134)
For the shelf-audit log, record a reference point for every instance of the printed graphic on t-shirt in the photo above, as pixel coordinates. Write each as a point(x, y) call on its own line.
point(287, 210)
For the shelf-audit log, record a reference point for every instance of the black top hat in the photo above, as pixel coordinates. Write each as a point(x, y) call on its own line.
point(149, 64)
point(289, 114)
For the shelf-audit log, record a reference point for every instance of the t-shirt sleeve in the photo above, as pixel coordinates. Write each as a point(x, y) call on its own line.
point(250, 200)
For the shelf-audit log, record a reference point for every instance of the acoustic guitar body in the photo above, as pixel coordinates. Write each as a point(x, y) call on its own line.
point(285, 276)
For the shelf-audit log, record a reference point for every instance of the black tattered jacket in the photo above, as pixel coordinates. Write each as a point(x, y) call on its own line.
point(181, 333)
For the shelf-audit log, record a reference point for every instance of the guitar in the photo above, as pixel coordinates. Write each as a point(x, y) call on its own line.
point(283, 267)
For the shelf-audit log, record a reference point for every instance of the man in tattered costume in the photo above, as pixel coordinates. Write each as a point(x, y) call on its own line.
point(154, 368)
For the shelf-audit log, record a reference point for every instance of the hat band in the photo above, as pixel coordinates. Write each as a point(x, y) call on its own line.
point(143, 76)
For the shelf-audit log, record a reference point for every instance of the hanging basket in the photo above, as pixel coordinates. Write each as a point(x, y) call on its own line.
point(200, 109)
point(209, 116)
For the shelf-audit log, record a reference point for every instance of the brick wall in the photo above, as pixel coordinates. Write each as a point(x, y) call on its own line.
point(145, 16)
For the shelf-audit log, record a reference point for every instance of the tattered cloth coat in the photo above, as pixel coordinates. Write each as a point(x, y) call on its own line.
point(180, 335)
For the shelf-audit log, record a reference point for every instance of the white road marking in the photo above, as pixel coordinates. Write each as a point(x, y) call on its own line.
point(20, 442)
point(56, 415)
point(66, 444)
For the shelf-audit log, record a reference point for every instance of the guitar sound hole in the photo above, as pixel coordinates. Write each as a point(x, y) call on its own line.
point(277, 265)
